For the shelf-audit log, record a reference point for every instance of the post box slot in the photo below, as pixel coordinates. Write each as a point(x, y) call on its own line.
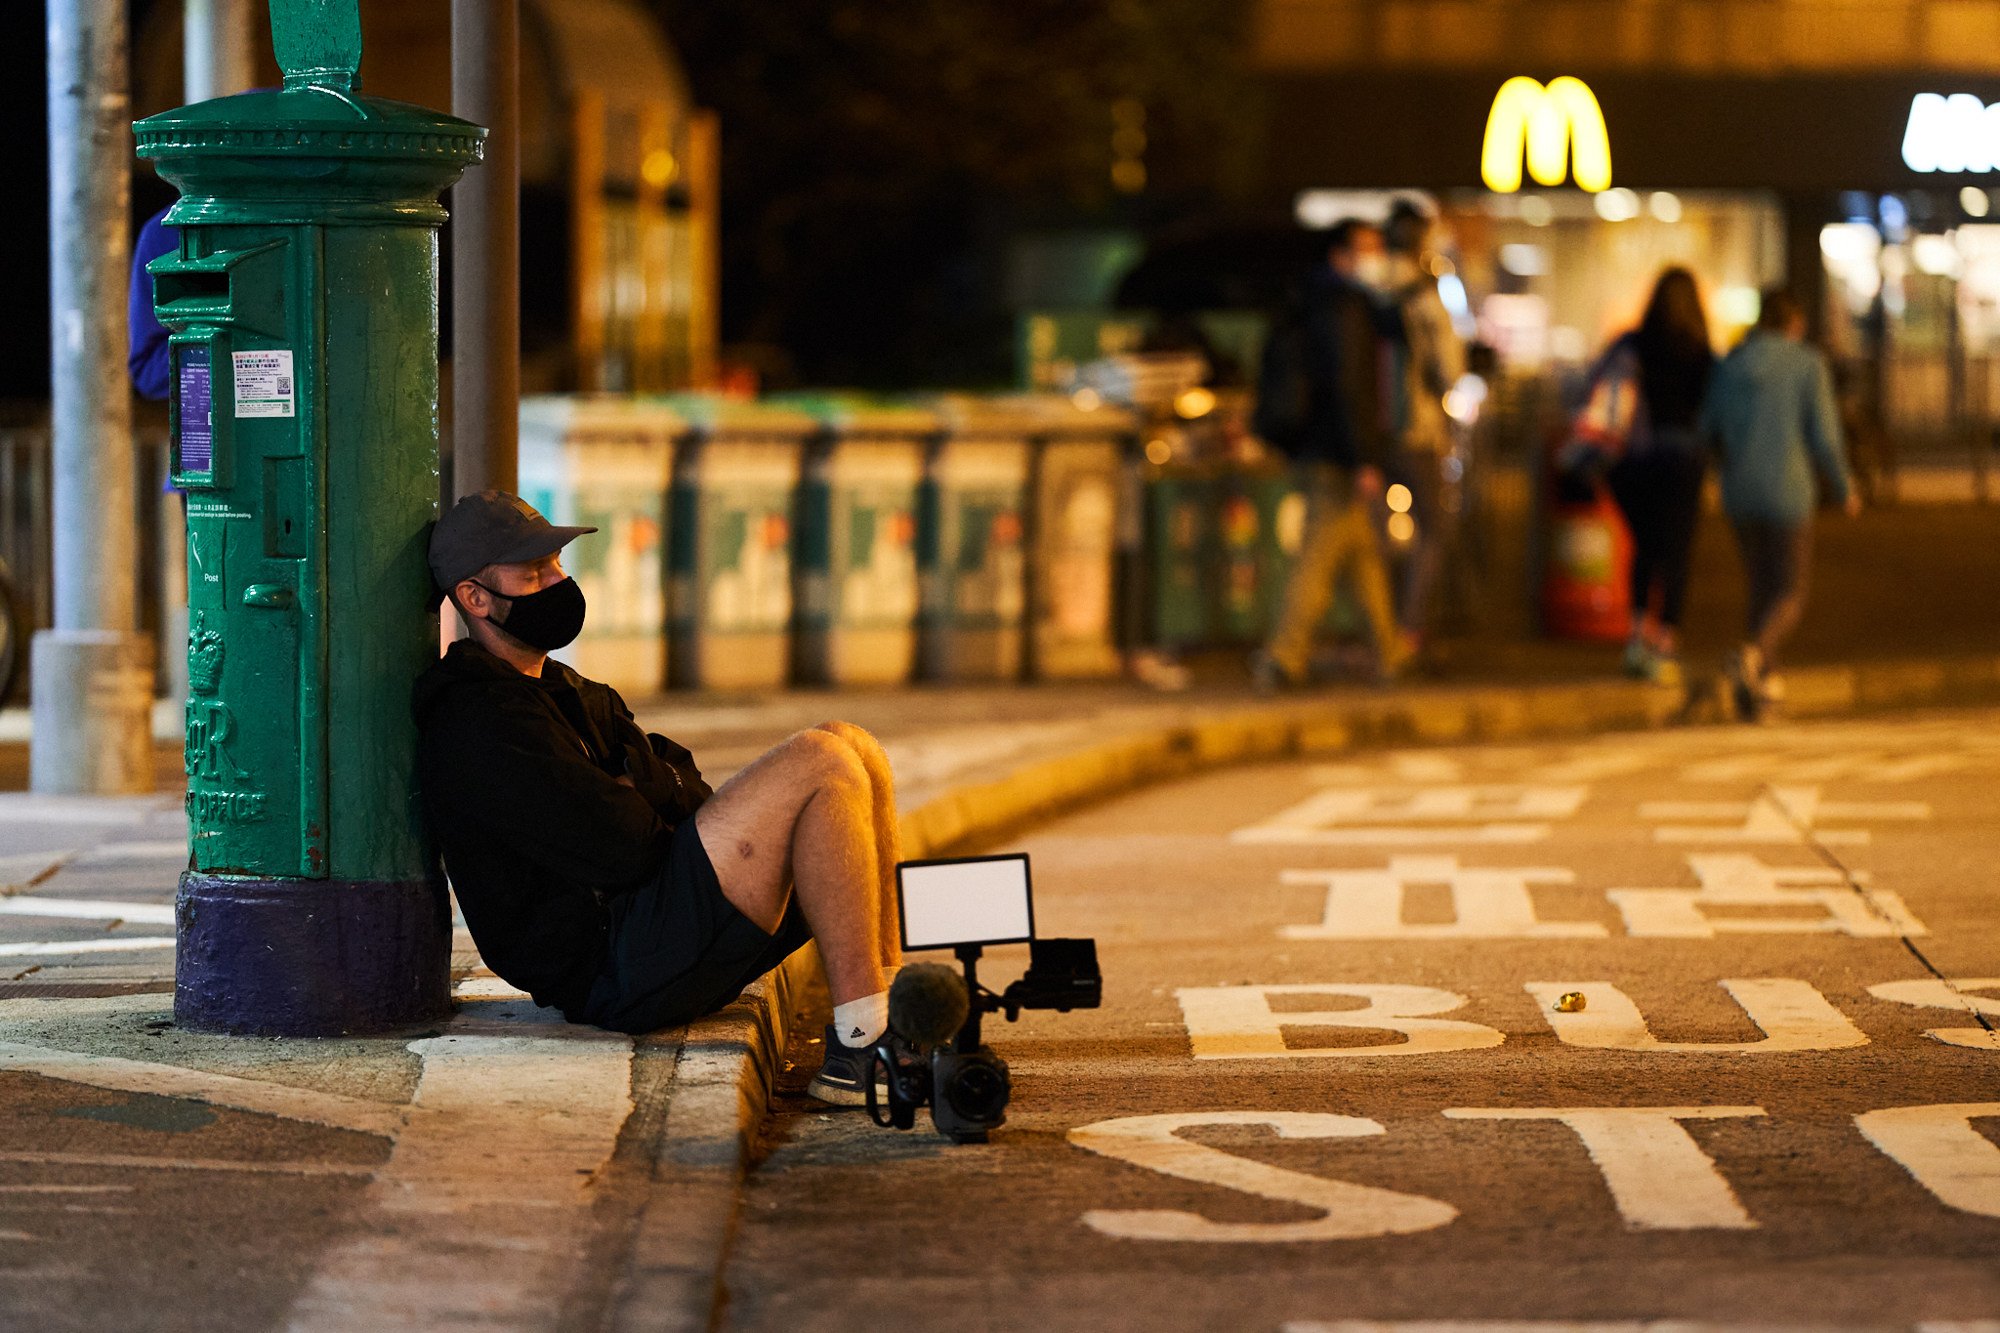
point(193, 286)
point(287, 512)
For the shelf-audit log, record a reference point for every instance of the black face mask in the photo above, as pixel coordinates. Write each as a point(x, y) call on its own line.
point(545, 620)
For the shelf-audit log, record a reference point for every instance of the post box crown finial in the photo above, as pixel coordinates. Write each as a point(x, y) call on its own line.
point(317, 42)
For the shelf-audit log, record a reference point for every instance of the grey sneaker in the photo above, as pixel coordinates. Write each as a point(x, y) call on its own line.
point(842, 1079)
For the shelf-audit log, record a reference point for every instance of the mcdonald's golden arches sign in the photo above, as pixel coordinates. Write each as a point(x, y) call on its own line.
point(1558, 128)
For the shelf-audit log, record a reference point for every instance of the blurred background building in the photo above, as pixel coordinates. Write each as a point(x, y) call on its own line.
point(1756, 141)
point(982, 197)
point(618, 179)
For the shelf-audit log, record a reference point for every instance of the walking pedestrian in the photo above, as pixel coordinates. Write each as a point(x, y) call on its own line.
point(1433, 360)
point(1771, 416)
point(1642, 416)
point(1321, 400)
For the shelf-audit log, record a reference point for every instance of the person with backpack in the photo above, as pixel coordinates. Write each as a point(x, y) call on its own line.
point(1322, 401)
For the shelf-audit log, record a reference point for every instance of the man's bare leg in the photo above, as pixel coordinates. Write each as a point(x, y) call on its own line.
point(888, 834)
point(801, 819)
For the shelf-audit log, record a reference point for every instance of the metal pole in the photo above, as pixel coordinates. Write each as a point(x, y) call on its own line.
point(92, 674)
point(486, 249)
point(218, 59)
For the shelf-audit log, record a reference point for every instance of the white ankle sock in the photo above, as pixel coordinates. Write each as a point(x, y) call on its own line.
point(862, 1022)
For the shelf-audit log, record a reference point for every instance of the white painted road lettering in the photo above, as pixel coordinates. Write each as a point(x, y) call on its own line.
point(1486, 903)
point(1343, 816)
point(1957, 993)
point(1792, 1014)
point(1939, 1146)
point(1861, 765)
point(1816, 900)
point(1347, 1211)
point(1238, 1023)
point(1789, 816)
point(1659, 1177)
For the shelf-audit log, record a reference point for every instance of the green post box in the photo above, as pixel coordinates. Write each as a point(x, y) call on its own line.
point(303, 311)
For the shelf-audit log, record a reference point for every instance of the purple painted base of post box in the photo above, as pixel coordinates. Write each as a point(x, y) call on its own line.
point(310, 957)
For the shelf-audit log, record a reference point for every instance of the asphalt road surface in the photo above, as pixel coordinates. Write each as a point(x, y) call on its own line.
point(1334, 1083)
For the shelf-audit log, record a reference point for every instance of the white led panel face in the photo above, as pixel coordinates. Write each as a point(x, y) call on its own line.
point(975, 900)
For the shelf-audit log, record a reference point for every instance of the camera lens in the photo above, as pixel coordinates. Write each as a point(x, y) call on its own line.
point(977, 1090)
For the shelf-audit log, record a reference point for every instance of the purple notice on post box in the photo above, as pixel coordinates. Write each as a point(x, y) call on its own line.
point(193, 413)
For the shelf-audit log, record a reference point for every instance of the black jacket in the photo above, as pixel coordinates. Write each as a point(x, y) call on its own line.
point(1349, 338)
point(520, 786)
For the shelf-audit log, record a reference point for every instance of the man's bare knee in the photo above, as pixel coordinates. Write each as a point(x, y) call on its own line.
point(826, 759)
point(860, 740)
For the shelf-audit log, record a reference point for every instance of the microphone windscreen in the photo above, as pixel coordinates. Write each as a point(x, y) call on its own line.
point(928, 1004)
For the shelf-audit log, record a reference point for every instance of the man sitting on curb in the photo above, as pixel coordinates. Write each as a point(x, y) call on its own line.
point(595, 868)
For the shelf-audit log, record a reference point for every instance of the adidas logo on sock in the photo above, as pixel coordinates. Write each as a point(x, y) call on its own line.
point(855, 1035)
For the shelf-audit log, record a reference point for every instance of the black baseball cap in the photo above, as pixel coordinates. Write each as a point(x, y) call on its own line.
point(490, 528)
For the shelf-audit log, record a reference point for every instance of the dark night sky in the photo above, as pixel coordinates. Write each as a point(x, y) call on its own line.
point(24, 299)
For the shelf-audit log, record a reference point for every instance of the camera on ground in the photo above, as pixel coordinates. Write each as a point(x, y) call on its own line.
point(934, 1053)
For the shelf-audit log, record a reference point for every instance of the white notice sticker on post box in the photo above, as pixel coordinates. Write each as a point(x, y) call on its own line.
point(264, 386)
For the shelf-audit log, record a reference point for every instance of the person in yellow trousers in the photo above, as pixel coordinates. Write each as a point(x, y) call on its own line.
point(1322, 400)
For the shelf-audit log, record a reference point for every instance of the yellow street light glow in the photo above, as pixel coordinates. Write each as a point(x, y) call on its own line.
point(1159, 452)
point(1195, 402)
point(1401, 528)
point(1399, 498)
point(1557, 127)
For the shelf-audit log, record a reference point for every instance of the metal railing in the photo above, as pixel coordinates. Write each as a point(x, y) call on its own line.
point(27, 524)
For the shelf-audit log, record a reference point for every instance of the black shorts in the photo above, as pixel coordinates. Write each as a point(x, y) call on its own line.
point(679, 949)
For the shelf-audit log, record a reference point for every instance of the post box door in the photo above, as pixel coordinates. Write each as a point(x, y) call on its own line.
point(256, 747)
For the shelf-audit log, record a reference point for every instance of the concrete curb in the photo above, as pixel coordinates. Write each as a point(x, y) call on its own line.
point(724, 1072)
point(729, 1062)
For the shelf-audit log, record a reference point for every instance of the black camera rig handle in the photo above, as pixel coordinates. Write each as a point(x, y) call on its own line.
point(1062, 975)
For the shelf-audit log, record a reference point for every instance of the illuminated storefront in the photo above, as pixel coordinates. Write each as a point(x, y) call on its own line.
point(1868, 194)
